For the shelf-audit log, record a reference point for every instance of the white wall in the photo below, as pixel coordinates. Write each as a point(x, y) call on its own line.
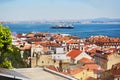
point(59, 50)
point(60, 57)
point(82, 55)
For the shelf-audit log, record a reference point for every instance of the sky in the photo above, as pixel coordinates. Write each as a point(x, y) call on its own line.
point(26, 10)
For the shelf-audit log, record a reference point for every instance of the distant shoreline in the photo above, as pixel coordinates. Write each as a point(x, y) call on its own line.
point(81, 21)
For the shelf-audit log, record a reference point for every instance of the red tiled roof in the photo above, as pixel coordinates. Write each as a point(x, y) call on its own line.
point(86, 48)
point(48, 43)
point(72, 41)
point(109, 53)
point(116, 71)
point(30, 35)
point(86, 60)
point(114, 49)
point(76, 71)
point(90, 78)
point(118, 64)
point(74, 53)
point(19, 35)
point(92, 50)
point(65, 38)
point(34, 39)
point(104, 39)
point(52, 68)
point(91, 66)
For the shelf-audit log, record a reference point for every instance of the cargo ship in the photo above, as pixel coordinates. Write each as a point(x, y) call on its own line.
point(62, 27)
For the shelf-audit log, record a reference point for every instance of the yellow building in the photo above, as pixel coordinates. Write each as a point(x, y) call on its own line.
point(84, 74)
point(112, 59)
point(44, 60)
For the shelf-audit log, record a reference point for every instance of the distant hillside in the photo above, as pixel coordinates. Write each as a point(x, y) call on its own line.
point(84, 21)
point(106, 19)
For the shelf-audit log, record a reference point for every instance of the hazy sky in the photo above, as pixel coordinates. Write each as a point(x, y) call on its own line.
point(20, 10)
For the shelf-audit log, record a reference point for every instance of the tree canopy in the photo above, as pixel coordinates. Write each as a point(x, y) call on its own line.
point(5, 38)
point(9, 54)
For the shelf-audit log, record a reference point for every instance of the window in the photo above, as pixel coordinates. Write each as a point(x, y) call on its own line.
point(54, 61)
point(42, 61)
point(114, 67)
point(64, 49)
point(118, 78)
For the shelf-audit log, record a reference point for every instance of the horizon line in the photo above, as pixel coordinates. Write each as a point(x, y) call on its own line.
point(57, 19)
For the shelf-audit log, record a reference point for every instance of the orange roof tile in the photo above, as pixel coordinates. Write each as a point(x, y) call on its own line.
point(118, 64)
point(91, 78)
point(116, 71)
point(91, 66)
point(30, 35)
point(104, 39)
point(65, 73)
point(76, 71)
point(52, 68)
point(86, 48)
point(49, 43)
point(72, 41)
point(109, 53)
point(92, 50)
point(86, 60)
point(74, 53)
point(113, 49)
point(19, 35)
point(65, 38)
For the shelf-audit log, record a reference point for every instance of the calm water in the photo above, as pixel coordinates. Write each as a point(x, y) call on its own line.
point(81, 30)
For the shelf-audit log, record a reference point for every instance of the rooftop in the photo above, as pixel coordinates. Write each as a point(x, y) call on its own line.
point(86, 60)
point(39, 74)
point(74, 53)
point(32, 74)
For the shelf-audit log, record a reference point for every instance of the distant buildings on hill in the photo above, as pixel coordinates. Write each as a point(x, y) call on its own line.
point(83, 21)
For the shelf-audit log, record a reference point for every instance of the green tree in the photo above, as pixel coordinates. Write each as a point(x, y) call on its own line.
point(15, 58)
point(5, 46)
point(5, 38)
point(6, 64)
point(9, 54)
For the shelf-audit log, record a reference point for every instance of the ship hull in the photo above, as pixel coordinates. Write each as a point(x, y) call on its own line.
point(61, 27)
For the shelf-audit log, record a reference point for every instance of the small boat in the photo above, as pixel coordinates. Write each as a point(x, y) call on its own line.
point(62, 27)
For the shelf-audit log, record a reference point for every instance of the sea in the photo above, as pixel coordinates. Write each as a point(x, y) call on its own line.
point(80, 30)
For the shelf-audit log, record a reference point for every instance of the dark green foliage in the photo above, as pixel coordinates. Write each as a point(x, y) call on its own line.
point(15, 57)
